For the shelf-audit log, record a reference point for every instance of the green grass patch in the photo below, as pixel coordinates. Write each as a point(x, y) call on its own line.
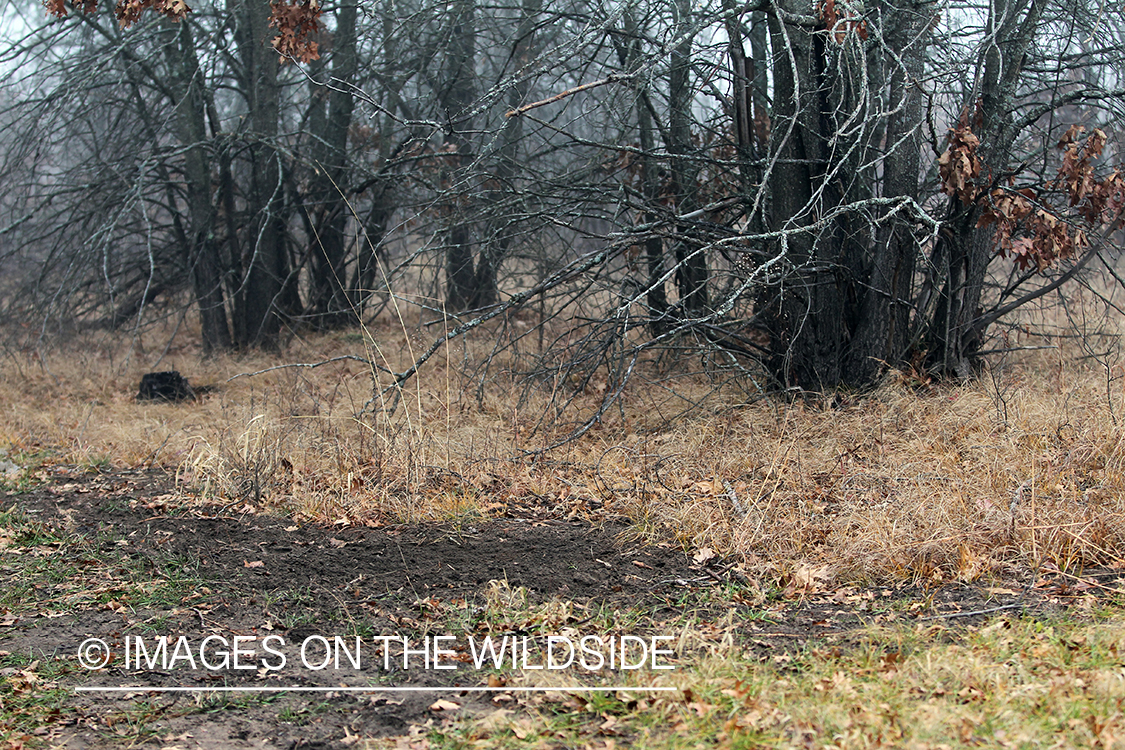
point(46, 565)
point(31, 697)
point(1014, 682)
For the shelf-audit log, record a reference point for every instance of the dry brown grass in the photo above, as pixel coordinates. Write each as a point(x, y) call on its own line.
point(1023, 468)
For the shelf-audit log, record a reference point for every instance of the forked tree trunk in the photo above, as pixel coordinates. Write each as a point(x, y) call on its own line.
point(960, 260)
point(808, 317)
point(882, 335)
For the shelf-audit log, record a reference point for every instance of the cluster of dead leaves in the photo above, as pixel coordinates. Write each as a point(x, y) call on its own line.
point(1043, 237)
point(128, 12)
point(1033, 232)
point(58, 9)
point(841, 20)
point(959, 166)
point(296, 21)
point(1099, 202)
point(1026, 226)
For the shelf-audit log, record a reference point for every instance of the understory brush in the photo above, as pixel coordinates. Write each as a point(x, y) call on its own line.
point(916, 481)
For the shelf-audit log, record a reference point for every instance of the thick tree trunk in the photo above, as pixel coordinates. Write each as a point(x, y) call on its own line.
point(203, 256)
point(882, 333)
point(264, 262)
point(460, 276)
point(843, 313)
point(808, 317)
point(330, 303)
point(456, 96)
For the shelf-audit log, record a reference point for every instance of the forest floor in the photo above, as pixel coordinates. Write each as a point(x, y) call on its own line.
point(111, 555)
point(928, 565)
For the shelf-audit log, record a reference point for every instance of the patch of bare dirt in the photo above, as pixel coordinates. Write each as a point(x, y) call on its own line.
point(260, 576)
point(257, 577)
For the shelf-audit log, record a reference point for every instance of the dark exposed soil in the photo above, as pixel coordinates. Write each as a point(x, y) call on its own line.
point(257, 576)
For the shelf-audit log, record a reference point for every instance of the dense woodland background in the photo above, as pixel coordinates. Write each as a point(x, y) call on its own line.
point(552, 262)
point(801, 194)
point(560, 283)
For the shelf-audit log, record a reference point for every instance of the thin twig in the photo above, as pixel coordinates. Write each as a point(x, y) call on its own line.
point(613, 78)
point(1019, 603)
point(312, 365)
point(1010, 349)
point(1014, 605)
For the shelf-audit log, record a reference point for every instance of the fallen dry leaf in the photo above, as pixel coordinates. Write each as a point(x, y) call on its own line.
point(703, 555)
point(444, 705)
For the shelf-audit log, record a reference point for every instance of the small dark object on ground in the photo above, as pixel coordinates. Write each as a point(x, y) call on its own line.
point(165, 386)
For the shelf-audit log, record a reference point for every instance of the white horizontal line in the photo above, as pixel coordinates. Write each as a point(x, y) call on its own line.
point(412, 689)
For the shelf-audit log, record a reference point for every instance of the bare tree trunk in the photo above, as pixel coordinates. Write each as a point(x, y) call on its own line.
point(882, 334)
point(748, 95)
point(500, 230)
point(807, 326)
point(691, 262)
point(963, 255)
point(630, 53)
point(365, 277)
point(456, 96)
point(264, 263)
point(330, 303)
point(203, 256)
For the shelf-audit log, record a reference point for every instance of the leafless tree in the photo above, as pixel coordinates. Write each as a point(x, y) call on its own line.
point(797, 193)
